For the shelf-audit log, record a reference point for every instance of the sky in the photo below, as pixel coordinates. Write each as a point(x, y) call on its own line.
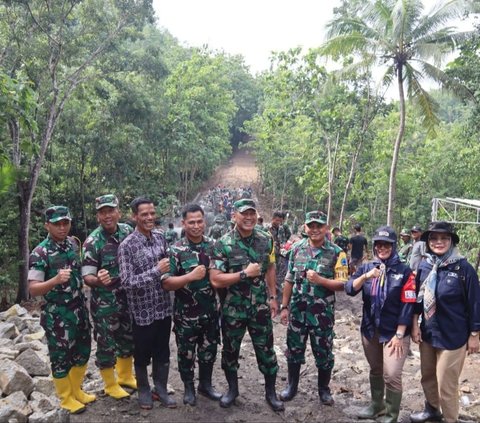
point(252, 28)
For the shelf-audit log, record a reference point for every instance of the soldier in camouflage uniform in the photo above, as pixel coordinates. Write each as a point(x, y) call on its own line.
point(195, 309)
point(219, 228)
point(108, 305)
point(281, 233)
point(54, 273)
point(244, 264)
point(316, 269)
point(171, 235)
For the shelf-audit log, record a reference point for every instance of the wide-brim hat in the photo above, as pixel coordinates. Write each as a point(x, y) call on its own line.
point(442, 227)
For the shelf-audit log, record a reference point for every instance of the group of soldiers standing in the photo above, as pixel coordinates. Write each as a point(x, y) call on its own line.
point(225, 286)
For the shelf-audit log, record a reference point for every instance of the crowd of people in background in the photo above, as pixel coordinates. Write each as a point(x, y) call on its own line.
point(238, 275)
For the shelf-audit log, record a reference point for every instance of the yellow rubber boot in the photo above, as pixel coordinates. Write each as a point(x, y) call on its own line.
point(112, 387)
point(124, 369)
point(76, 376)
point(64, 392)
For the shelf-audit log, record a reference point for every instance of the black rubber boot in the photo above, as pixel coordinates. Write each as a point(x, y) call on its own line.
point(229, 398)
point(143, 388)
point(205, 387)
point(293, 377)
point(189, 396)
point(271, 395)
point(430, 413)
point(324, 377)
point(160, 378)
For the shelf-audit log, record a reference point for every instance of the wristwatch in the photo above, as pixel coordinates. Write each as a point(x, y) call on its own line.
point(243, 275)
point(283, 307)
point(399, 335)
point(473, 333)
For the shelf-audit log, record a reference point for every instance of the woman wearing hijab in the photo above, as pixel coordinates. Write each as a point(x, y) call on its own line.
point(448, 305)
point(388, 293)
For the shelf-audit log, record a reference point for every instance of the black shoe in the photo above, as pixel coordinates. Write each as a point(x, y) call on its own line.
point(189, 395)
point(430, 413)
point(271, 395)
point(205, 387)
point(324, 377)
point(293, 377)
point(229, 397)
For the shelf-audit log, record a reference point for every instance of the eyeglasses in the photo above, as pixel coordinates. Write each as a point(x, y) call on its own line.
point(439, 238)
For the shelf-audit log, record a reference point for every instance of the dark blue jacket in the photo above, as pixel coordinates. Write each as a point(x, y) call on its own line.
point(457, 305)
point(394, 311)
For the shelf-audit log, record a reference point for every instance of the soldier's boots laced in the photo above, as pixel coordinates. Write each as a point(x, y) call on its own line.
point(189, 396)
point(143, 388)
point(293, 378)
point(205, 387)
point(271, 395)
point(324, 377)
point(229, 397)
point(160, 378)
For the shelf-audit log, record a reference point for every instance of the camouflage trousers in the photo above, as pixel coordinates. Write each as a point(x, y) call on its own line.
point(258, 321)
point(280, 273)
point(321, 341)
point(112, 328)
point(67, 329)
point(193, 336)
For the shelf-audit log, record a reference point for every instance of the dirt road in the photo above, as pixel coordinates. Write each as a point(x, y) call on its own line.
point(349, 383)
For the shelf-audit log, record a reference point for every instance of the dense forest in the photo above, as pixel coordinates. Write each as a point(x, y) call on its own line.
point(96, 98)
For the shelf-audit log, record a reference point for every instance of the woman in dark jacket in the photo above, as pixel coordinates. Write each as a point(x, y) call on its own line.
point(388, 293)
point(449, 309)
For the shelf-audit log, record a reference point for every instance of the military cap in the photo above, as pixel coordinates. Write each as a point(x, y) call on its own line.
point(315, 216)
point(56, 213)
point(416, 228)
point(405, 232)
point(244, 204)
point(108, 200)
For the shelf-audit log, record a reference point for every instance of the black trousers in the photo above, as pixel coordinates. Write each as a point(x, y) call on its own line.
point(152, 342)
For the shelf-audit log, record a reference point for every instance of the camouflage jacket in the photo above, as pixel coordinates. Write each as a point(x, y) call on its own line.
point(196, 299)
point(280, 236)
point(171, 236)
point(47, 259)
point(309, 300)
point(232, 253)
point(217, 230)
point(100, 252)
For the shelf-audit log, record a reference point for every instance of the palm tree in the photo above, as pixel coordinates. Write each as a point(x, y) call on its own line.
point(407, 43)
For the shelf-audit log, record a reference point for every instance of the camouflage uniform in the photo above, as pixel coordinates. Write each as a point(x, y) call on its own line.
point(195, 309)
point(245, 305)
point(171, 236)
point(218, 229)
point(109, 308)
point(64, 314)
point(280, 235)
point(312, 306)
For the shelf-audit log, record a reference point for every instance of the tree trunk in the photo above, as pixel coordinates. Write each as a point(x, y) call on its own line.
point(396, 149)
point(24, 206)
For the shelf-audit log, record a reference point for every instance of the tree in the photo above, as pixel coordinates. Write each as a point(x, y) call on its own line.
point(57, 42)
point(400, 37)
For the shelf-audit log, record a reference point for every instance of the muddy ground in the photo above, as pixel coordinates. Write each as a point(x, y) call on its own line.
point(349, 383)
